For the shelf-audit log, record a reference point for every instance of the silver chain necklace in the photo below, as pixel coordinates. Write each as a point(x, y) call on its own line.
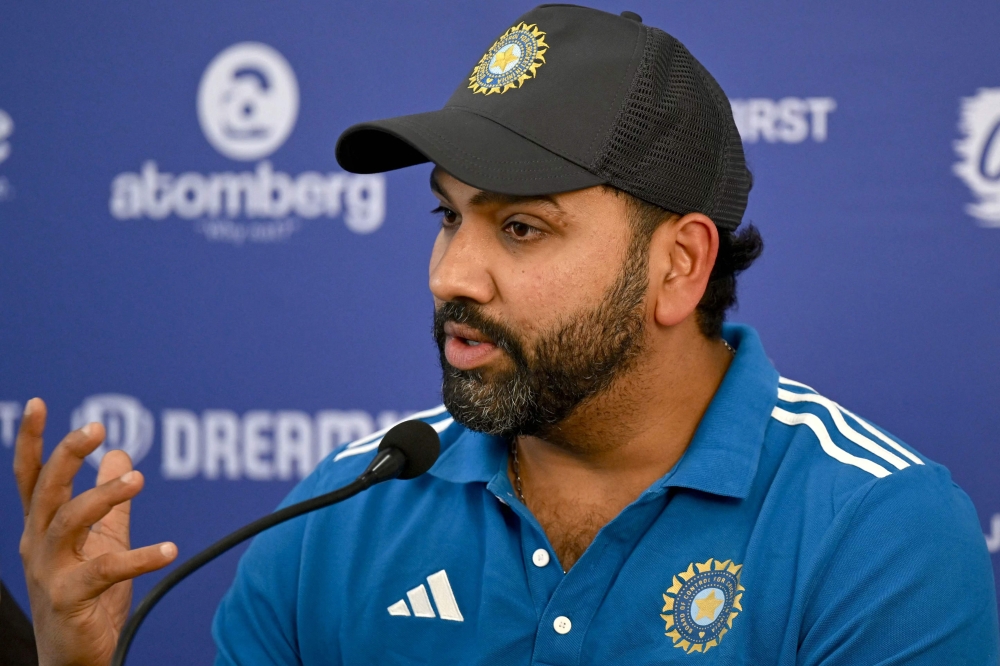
point(519, 485)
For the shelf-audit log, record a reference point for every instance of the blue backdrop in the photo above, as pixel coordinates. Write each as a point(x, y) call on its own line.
point(181, 256)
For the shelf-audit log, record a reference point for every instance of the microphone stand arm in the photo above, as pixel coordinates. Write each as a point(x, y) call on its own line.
point(239, 536)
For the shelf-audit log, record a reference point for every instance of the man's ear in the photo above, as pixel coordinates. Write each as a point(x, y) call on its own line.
point(682, 255)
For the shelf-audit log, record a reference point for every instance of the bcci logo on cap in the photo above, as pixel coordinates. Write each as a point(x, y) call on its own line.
point(248, 101)
point(128, 424)
point(980, 153)
point(512, 60)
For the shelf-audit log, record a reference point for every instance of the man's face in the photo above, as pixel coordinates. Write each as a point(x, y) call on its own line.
point(540, 303)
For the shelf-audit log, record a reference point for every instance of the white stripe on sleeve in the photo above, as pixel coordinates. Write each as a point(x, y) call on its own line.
point(819, 429)
point(846, 430)
point(888, 440)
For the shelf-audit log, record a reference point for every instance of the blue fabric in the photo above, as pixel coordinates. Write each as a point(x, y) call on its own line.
point(790, 532)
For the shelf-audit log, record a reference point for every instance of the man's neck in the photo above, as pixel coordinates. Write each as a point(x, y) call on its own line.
point(613, 447)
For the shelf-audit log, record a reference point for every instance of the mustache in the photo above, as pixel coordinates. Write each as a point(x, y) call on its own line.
point(472, 315)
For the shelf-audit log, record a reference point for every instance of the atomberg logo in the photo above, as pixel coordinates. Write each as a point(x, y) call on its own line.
point(247, 105)
point(129, 425)
point(248, 101)
point(979, 150)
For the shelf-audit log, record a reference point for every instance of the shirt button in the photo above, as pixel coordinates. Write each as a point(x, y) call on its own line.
point(562, 625)
point(540, 557)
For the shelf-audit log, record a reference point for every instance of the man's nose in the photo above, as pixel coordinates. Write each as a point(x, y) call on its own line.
point(460, 266)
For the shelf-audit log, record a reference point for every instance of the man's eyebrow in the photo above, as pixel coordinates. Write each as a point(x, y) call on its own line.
point(488, 198)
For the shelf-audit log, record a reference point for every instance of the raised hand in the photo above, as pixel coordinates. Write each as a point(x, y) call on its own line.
point(75, 550)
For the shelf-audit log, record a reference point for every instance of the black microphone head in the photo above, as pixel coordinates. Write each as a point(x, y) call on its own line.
point(418, 441)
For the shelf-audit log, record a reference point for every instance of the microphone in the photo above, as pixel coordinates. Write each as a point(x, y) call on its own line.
point(408, 450)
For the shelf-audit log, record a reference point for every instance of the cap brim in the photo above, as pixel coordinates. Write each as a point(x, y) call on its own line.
point(473, 149)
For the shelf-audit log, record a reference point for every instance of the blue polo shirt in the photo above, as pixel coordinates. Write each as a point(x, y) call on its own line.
point(792, 531)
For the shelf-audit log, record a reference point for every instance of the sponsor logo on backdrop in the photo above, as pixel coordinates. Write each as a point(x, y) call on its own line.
point(787, 120)
point(10, 412)
point(6, 129)
point(979, 150)
point(260, 444)
point(129, 425)
point(993, 538)
point(247, 105)
point(248, 101)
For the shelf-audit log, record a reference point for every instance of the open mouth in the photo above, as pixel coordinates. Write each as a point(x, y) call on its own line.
point(466, 347)
point(466, 334)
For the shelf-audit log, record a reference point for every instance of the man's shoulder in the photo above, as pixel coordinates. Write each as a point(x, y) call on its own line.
point(824, 449)
point(883, 533)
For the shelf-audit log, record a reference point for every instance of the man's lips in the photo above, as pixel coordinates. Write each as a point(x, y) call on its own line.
point(467, 348)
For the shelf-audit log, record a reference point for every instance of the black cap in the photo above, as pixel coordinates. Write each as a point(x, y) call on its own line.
point(570, 97)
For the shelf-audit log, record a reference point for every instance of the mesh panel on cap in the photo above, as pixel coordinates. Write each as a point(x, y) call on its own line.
point(674, 142)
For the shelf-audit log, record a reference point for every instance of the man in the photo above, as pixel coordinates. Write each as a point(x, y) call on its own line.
point(622, 479)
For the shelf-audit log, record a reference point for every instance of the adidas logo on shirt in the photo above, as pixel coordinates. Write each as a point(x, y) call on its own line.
point(444, 599)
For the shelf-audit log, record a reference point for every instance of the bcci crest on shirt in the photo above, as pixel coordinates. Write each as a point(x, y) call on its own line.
point(512, 60)
point(700, 606)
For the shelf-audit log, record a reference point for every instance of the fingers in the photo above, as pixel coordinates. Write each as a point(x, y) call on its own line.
point(28, 450)
point(114, 463)
point(103, 572)
point(54, 486)
point(71, 523)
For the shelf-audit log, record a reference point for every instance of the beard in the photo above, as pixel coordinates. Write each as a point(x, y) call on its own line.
point(577, 359)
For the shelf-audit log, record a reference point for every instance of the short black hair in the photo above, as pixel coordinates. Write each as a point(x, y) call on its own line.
point(737, 252)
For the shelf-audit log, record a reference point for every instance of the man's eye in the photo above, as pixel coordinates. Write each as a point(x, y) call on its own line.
point(448, 216)
point(520, 230)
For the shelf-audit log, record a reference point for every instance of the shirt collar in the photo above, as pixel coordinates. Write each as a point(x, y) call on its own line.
point(470, 456)
point(723, 455)
point(721, 459)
